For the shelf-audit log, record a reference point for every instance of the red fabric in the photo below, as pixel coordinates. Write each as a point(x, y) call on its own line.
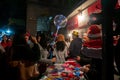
point(27, 34)
point(95, 7)
point(117, 5)
point(4, 44)
point(97, 43)
point(72, 23)
point(93, 29)
point(10, 43)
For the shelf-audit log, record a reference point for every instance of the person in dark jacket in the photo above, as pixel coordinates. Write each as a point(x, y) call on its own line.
point(75, 45)
point(21, 58)
point(117, 56)
point(116, 44)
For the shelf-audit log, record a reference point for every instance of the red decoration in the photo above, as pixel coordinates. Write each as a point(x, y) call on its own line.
point(64, 74)
point(70, 75)
point(95, 7)
point(72, 23)
point(67, 79)
point(117, 5)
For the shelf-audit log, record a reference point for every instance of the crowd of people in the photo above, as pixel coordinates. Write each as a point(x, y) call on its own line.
point(26, 57)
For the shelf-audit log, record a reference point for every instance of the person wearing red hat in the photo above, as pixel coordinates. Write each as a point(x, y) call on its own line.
point(92, 48)
point(95, 38)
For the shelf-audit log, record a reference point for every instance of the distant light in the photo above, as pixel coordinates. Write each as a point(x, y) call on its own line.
point(8, 31)
point(69, 35)
point(50, 18)
point(81, 17)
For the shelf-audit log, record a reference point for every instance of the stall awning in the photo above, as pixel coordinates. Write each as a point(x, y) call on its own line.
point(82, 7)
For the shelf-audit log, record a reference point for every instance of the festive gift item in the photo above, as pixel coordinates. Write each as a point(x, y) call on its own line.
point(70, 75)
point(59, 79)
point(70, 70)
point(64, 74)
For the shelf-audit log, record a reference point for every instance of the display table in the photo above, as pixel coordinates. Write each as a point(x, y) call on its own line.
point(70, 70)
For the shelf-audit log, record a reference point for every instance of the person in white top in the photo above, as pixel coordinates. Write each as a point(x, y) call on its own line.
point(43, 50)
point(60, 50)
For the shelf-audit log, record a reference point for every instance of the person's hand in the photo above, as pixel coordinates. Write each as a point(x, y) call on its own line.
point(87, 65)
point(78, 58)
point(53, 59)
point(85, 68)
point(33, 39)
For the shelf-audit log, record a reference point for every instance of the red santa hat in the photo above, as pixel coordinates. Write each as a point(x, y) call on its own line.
point(27, 34)
point(94, 32)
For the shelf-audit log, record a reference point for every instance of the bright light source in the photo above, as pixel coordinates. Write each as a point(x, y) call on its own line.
point(69, 35)
point(8, 31)
point(81, 17)
point(50, 17)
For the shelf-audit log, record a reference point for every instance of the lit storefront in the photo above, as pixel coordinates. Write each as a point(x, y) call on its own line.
point(79, 19)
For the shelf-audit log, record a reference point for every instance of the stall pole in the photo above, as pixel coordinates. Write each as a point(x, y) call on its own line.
point(107, 28)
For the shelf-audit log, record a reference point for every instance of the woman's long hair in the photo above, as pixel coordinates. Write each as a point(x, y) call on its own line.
point(60, 45)
point(43, 41)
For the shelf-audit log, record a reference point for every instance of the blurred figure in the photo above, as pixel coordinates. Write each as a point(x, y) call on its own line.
point(2, 50)
point(93, 43)
point(67, 41)
point(21, 59)
point(5, 42)
point(43, 45)
point(35, 48)
point(117, 56)
point(75, 45)
point(85, 38)
point(116, 45)
point(27, 38)
point(38, 38)
point(60, 50)
point(92, 48)
point(2, 63)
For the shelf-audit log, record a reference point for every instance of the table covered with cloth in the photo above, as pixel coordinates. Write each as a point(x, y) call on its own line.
point(70, 70)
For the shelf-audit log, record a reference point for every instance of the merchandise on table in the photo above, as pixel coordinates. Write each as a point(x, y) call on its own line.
point(70, 70)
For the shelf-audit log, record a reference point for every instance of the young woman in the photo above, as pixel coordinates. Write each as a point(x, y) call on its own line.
point(60, 50)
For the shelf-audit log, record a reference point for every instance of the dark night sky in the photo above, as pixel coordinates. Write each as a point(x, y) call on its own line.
point(12, 8)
